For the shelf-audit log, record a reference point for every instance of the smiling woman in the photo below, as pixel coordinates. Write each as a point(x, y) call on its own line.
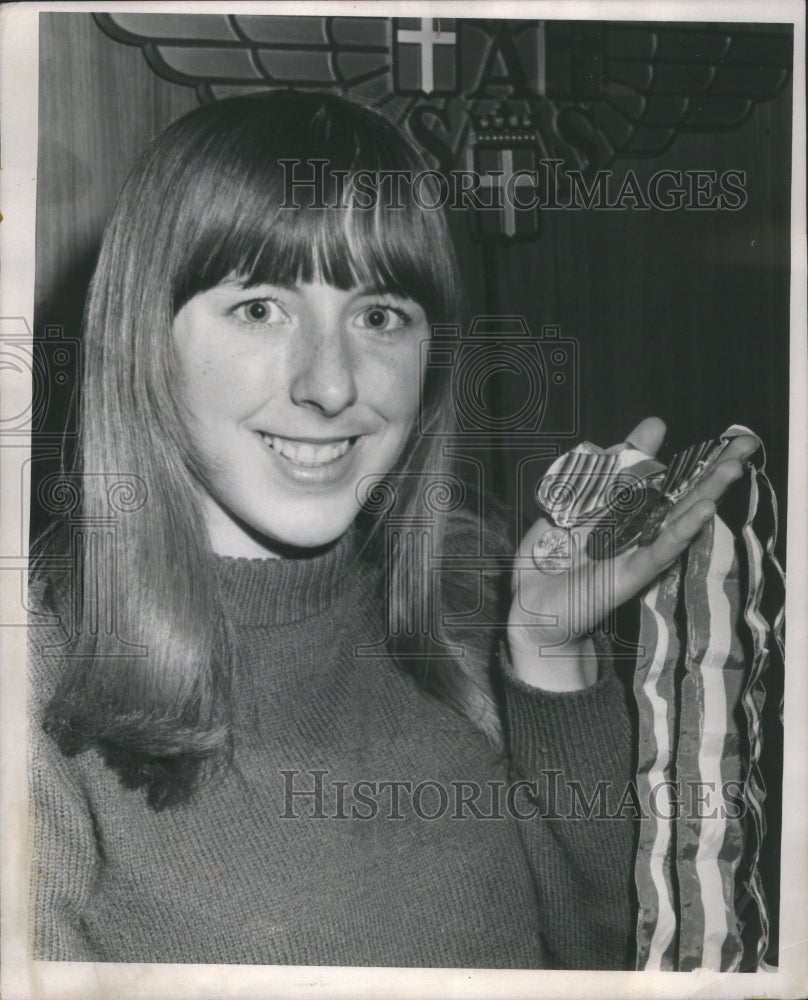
point(297, 399)
point(302, 618)
point(179, 386)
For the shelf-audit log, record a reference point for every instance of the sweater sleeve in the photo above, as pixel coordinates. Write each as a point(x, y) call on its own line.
point(574, 751)
point(64, 848)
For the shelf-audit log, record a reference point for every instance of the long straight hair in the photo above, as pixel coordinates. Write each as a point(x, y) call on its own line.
point(210, 200)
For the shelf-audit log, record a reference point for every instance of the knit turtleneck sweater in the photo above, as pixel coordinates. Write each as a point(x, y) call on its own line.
point(363, 822)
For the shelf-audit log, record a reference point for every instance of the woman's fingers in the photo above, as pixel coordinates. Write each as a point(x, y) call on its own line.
point(597, 587)
point(581, 595)
point(647, 436)
point(637, 570)
point(728, 468)
point(713, 487)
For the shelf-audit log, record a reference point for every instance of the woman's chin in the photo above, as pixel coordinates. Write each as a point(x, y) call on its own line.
point(231, 536)
point(301, 545)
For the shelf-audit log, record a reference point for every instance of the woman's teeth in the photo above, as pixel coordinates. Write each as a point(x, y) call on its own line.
point(304, 453)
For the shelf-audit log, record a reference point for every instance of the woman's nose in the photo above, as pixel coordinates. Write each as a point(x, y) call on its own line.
point(324, 377)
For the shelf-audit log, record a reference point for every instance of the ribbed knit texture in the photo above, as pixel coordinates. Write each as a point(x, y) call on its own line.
point(248, 873)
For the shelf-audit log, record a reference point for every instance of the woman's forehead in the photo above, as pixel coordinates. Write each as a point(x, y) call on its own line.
point(338, 266)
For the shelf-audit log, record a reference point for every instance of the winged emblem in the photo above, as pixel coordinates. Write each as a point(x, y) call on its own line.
point(469, 90)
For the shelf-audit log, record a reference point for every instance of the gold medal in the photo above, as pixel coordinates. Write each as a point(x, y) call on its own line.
point(553, 551)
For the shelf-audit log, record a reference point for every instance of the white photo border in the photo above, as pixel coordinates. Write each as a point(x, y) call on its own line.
point(22, 978)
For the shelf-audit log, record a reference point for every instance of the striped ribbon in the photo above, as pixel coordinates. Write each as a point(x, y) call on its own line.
point(654, 689)
point(700, 695)
point(709, 674)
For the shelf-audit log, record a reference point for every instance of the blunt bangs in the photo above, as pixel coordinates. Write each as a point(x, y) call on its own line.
point(251, 211)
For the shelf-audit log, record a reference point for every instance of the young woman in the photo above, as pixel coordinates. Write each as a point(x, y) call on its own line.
point(273, 749)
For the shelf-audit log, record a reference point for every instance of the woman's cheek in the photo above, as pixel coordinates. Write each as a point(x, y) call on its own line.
point(233, 378)
point(400, 383)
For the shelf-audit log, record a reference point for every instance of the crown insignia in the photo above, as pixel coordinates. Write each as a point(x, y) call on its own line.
point(503, 124)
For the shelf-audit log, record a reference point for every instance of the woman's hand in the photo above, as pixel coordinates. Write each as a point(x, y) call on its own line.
point(551, 613)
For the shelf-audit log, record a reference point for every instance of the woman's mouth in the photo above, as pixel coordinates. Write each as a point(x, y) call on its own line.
point(309, 454)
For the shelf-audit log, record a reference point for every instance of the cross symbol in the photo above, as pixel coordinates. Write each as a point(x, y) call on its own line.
point(497, 179)
point(425, 38)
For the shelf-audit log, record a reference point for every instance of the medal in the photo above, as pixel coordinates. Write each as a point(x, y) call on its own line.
point(613, 532)
point(625, 496)
point(643, 525)
point(552, 551)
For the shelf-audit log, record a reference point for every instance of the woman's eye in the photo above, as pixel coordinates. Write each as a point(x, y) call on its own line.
point(384, 319)
point(259, 312)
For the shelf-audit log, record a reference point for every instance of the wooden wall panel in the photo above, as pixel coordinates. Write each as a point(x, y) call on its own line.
point(99, 105)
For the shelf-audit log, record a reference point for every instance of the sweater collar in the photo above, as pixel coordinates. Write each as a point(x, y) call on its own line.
point(259, 592)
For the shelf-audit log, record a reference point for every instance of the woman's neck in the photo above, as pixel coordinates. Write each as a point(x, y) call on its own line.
point(279, 590)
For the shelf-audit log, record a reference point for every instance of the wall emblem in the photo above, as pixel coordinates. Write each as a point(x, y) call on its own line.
point(500, 97)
